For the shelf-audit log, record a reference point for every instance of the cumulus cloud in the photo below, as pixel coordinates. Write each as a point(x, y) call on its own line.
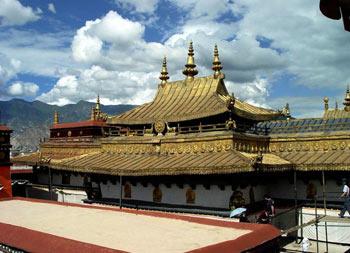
point(142, 6)
point(112, 28)
point(44, 54)
point(254, 92)
point(9, 67)
point(115, 86)
point(255, 51)
point(12, 12)
point(51, 7)
point(316, 48)
point(19, 89)
point(204, 9)
point(115, 49)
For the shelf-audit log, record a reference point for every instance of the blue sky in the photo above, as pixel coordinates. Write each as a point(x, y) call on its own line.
point(272, 51)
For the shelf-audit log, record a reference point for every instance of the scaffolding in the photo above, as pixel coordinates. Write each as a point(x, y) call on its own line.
point(318, 217)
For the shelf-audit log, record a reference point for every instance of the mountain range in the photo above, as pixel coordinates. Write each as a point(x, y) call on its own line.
point(31, 121)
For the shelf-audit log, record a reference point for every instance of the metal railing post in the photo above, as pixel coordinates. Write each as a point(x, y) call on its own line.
point(325, 206)
point(316, 224)
point(296, 203)
point(121, 191)
point(50, 183)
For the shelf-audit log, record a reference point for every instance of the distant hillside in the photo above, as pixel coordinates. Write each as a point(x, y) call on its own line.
point(30, 121)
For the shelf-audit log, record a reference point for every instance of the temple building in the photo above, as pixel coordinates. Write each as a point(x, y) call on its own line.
point(194, 146)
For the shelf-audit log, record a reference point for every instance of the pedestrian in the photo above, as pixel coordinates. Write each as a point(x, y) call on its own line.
point(269, 210)
point(269, 205)
point(346, 196)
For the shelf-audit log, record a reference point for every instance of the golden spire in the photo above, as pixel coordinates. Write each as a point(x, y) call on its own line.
point(286, 110)
point(326, 100)
point(164, 73)
point(217, 63)
point(190, 71)
point(98, 103)
point(93, 114)
point(55, 118)
point(347, 100)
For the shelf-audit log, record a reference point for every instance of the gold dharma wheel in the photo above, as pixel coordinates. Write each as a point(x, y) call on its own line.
point(159, 126)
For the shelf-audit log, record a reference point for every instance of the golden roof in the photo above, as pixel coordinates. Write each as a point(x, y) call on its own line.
point(336, 114)
point(187, 100)
point(153, 164)
point(318, 160)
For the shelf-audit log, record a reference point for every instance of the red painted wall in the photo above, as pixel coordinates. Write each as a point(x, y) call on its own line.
point(5, 181)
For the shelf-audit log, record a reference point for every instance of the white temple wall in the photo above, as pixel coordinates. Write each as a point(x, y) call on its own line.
point(110, 190)
point(77, 180)
point(213, 197)
point(140, 192)
point(284, 190)
point(56, 179)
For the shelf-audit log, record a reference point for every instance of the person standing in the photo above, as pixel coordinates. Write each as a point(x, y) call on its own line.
point(269, 210)
point(346, 195)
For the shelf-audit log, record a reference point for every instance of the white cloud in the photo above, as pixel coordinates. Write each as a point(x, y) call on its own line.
point(86, 48)
point(254, 92)
point(51, 7)
point(112, 28)
point(45, 54)
point(316, 48)
point(115, 87)
point(123, 67)
point(142, 6)
point(20, 89)
point(12, 12)
point(8, 68)
point(204, 9)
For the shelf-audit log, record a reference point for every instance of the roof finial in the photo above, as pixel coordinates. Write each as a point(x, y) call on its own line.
point(217, 64)
point(347, 100)
point(190, 71)
point(56, 118)
point(93, 114)
point(286, 110)
point(98, 103)
point(164, 73)
point(325, 100)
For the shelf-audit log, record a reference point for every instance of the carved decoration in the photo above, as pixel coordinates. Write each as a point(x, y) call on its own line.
point(310, 145)
point(311, 191)
point(127, 191)
point(159, 126)
point(190, 196)
point(157, 195)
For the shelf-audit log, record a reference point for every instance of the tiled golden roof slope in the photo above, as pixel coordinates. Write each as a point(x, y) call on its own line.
point(192, 98)
point(187, 100)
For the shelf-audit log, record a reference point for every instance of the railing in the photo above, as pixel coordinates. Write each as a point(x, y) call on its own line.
point(310, 128)
point(69, 139)
point(126, 132)
point(201, 128)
